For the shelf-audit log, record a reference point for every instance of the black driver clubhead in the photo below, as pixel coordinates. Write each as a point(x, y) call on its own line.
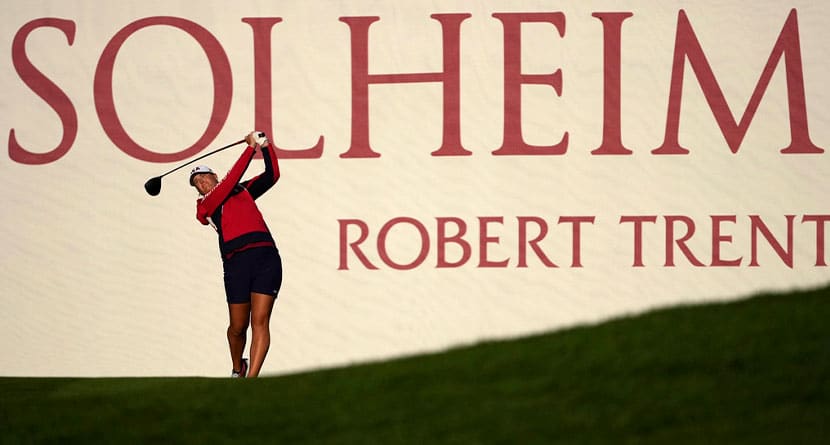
point(153, 186)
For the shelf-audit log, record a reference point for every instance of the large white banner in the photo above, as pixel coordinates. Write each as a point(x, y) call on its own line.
point(451, 171)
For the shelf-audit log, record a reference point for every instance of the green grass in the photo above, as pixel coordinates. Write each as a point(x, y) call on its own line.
point(754, 371)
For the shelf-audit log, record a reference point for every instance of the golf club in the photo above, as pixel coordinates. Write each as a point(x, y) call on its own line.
point(153, 185)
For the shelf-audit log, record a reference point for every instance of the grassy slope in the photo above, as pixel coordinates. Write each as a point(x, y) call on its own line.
point(756, 371)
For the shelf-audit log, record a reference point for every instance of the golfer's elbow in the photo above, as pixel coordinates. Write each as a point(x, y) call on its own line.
point(272, 173)
point(272, 165)
point(202, 214)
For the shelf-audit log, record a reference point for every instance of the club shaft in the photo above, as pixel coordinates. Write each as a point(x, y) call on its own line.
point(203, 156)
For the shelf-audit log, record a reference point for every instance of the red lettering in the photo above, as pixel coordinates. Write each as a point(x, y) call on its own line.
point(758, 225)
point(47, 90)
point(355, 246)
point(681, 243)
point(360, 147)
point(687, 45)
point(717, 239)
point(820, 220)
point(612, 102)
point(638, 235)
point(449, 77)
point(577, 236)
point(458, 239)
point(384, 232)
point(524, 242)
point(222, 89)
point(261, 28)
point(513, 142)
point(484, 239)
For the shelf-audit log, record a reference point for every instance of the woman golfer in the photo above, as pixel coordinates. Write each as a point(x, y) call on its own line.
point(250, 259)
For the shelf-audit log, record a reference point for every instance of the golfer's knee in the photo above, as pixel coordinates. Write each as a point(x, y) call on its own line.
point(260, 323)
point(237, 330)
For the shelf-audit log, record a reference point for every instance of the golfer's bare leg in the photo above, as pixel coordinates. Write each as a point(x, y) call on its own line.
point(261, 307)
point(239, 314)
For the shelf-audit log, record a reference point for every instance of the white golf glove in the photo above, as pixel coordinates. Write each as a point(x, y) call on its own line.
point(259, 137)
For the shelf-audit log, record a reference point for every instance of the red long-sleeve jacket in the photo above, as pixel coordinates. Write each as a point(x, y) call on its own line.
point(230, 206)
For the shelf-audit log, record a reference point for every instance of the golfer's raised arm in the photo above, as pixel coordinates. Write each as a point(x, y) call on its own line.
point(217, 196)
point(261, 183)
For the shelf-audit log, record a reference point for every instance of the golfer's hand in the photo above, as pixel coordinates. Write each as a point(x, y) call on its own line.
point(255, 138)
